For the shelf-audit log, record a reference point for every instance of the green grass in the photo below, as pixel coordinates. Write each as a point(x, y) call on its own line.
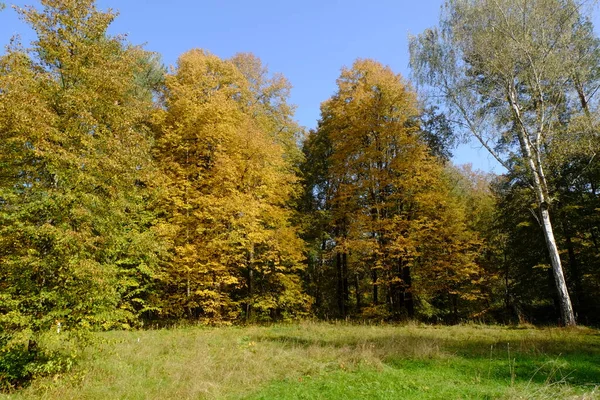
point(333, 361)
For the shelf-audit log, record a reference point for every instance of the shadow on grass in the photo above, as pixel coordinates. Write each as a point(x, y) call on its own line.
point(523, 360)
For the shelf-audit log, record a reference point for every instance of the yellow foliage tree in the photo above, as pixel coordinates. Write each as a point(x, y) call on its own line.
point(230, 185)
point(393, 217)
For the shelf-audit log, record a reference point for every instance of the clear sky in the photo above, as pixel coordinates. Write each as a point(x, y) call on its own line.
point(308, 41)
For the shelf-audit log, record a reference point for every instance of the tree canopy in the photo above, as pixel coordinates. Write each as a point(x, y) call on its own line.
point(519, 77)
point(134, 194)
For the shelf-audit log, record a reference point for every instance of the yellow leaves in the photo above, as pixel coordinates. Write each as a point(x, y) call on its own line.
point(230, 179)
point(542, 266)
point(391, 203)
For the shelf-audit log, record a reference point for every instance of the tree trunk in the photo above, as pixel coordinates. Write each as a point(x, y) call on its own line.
point(345, 282)
point(454, 302)
point(507, 304)
point(250, 283)
point(318, 278)
point(409, 302)
point(566, 309)
point(532, 155)
point(375, 291)
point(358, 296)
point(340, 285)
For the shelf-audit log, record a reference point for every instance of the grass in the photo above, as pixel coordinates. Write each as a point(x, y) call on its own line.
point(333, 361)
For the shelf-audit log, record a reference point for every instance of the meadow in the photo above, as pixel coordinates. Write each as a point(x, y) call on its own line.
point(332, 361)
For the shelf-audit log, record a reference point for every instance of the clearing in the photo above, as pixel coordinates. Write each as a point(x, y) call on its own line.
point(333, 361)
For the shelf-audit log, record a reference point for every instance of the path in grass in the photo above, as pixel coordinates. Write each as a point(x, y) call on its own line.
point(334, 361)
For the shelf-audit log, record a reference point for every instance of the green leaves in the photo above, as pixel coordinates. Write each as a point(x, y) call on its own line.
point(75, 192)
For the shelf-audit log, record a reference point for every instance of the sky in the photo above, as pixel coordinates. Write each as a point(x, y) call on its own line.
point(307, 41)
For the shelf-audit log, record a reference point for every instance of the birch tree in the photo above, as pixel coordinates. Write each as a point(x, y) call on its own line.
point(515, 75)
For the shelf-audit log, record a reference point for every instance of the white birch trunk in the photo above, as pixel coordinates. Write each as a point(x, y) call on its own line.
point(566, 309)
point(540, 185)
point(543, 199)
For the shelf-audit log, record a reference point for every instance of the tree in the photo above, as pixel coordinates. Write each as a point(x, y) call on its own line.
point(389, 229)
point(222, 142)
point(530, 295)
point(315, 209)
point(268, 105)
point(515, 75)
point(436, 132)
point(77, 239)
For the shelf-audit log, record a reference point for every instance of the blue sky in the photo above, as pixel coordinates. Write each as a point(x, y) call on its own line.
point(308, 41)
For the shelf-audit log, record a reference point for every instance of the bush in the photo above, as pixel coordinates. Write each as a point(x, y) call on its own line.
point(22, 360)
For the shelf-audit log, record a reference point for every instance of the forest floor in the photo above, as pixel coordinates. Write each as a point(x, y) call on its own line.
point(333, 361)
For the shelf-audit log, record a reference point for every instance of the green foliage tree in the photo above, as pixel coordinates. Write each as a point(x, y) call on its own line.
point(77, 246)
point(524, 269)
point(436, 132)
point(576, 183)
point(574, 180)
point(518, 77)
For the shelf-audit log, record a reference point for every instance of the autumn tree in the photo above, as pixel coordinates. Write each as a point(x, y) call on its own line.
point(393, 231)
point(471, 190)
point(268, 104)
point(222, 141)
point(517, 77)
point(76, 240)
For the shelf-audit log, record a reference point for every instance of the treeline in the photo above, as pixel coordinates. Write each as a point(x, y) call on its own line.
point(130, 194)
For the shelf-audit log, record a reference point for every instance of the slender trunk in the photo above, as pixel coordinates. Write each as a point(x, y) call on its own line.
point(318, 272)
point(454, 303)
point(358, 295)
point(582, 98)
point(409, 302)
point(507, 304)
point(345, 283)
point(532, 155)
point(250, 283)
point(396, 290)
point(566, 309)
point(340, 285)
point(375, 288)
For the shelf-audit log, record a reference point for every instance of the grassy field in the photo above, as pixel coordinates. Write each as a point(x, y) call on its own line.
point(334, 361)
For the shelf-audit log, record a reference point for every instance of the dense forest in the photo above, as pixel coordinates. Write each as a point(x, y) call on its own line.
point(133, 195)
